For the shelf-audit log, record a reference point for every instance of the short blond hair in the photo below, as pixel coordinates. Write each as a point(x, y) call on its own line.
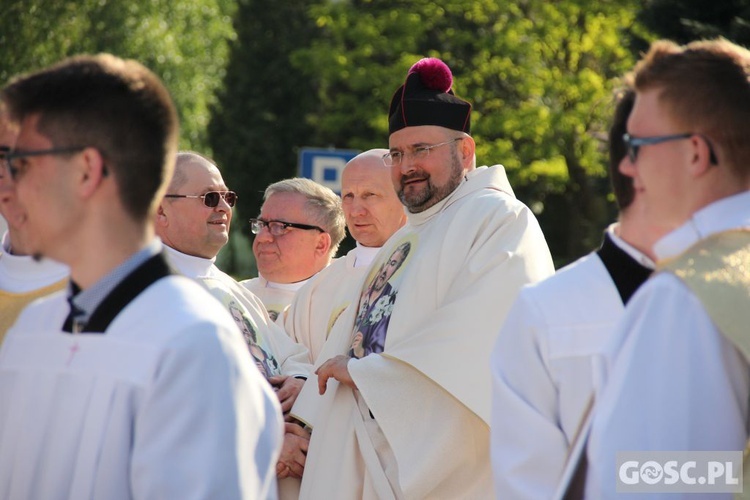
point(705, 86)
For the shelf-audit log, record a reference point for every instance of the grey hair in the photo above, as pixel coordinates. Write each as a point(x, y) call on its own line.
point(323, 203)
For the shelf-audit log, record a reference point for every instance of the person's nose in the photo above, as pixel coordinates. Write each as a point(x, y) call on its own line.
point(264, 236)
point(223, 206)
point(6, 183)
point(358, 208)
point(408, 163)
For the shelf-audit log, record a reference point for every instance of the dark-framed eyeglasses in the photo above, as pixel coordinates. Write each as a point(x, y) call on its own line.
point(3, 162)
point(633, 143)
point(279, 227)
point(394, 158)
point(211, 198)
point(16, 163)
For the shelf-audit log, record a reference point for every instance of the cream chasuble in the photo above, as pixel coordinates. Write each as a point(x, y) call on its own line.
point(319, 303)
point(421, 335)
point(22, 280)
point(276, 297)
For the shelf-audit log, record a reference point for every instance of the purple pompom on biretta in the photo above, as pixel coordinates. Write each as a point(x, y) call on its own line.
point(426, 98)
point(434, 73)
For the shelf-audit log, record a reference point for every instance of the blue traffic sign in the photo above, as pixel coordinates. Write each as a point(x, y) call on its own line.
point(324, 166)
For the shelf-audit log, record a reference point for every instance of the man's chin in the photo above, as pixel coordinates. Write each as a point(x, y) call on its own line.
point(361, 234)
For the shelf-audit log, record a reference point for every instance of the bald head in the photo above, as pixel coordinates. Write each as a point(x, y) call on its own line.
point(186, 162)
point(187, 224)
point(372, 210)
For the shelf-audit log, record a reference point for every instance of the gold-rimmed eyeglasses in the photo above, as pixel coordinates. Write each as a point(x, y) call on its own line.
point(394, 158)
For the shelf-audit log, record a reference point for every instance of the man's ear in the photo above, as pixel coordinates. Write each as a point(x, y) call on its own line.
point(703, 155)
point(468, 148)
point(93, 170)
point(161, 217)
point(323, 246)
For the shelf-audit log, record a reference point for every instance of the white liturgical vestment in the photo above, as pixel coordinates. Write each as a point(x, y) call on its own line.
point(420, 336)
point(319, 303)
point(548, 361)
point(674, 381)
point(165, 403)
point(276, 297)
point(24, 279)
point(273, 351)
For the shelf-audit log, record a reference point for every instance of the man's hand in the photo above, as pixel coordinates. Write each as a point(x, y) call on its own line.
point(293, 452)
point(287, 388)
point(336, 368)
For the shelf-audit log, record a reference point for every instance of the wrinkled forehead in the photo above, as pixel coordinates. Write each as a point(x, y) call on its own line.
point(369, 174)
point(200, 174)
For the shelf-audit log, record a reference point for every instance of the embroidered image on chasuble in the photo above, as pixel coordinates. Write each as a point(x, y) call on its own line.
point(274, 310)
point(257, 345)
point(377, 301)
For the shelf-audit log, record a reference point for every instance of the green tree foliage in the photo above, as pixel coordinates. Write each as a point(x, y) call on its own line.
point(259, 122)
point(540, 76)
point(183, 41)
point(687, 20)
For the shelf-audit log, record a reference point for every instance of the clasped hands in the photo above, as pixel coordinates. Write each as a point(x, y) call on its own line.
point(296, 439)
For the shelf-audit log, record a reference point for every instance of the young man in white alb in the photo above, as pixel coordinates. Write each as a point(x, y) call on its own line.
point(134, 382)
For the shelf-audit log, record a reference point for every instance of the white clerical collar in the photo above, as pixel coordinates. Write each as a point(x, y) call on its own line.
point(291, 287)
point(21, 273)
point(728, 213)
point(363, 256)
point(190, 265)
point(629, 249)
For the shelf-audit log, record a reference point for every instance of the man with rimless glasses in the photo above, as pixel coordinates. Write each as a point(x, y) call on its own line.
point(679, 363)
point(297, 233)
point(409, 418)
point(134, 382)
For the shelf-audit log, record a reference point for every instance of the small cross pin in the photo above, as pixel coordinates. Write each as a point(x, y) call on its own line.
point(73, 350)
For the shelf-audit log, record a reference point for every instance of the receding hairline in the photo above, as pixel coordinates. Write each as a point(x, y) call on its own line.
point(368, 156)
point(183, 159)
point(369, 163)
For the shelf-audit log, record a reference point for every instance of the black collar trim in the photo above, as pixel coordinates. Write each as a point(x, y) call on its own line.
point(627, 273)
point(128, 289)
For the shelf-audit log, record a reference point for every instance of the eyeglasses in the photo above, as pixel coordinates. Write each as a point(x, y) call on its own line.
point(211, 198)
point(3, 162)
point(633, 143)
point(396, 157)
point(278, 227)
point(16, 162)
